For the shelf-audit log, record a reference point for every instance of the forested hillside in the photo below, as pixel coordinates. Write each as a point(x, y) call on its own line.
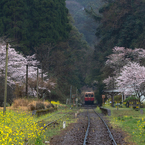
point(67, 62)
point(46, 28)
point(33, 23)
point(121, 24)
point(84, 22)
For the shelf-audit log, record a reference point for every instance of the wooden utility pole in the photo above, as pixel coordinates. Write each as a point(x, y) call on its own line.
point(6, 69)
point(41, 72)
point(41, 79)
point(76, 92)
point(70, 93)
point(112, 100)
point(37, 82)
point(27, 80)
point(103, 97)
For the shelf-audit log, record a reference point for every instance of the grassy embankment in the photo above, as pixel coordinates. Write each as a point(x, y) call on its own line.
point(18, 127)
point(130, 121)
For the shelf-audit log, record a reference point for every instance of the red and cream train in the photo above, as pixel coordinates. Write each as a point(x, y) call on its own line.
point(89, 98)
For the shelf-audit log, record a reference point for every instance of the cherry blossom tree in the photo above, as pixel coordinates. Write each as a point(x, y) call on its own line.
point(17, 68)
point(116, 59)
point(122, 56)
point(17, 65)
point(109, 82)
point(132, 79)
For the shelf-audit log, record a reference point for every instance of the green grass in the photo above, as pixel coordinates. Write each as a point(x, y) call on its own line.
point(98, 110)
point(56, 129)
point(130, 121)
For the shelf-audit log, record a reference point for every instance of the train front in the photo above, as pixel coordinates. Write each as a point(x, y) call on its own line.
point(89, 98)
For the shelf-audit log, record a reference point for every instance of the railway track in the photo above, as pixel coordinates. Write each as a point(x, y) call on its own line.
point(89, 136)
point(110, 134)
point(86, 135)
point(90, 129)
point(89, 106)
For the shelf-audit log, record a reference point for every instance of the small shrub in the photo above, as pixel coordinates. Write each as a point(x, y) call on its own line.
point(31, 107)
point(40, 105)
point(52, 105)
point(130, 98)
point(142, 105)
point(19, 91)
point(20, 102)
point(48, 106)
point(118, 98)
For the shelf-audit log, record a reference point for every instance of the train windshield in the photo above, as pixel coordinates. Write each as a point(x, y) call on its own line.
point(86, 95)
point(89, 95)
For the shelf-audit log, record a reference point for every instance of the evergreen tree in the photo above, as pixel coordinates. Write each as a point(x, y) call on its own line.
point(50, 22)
point(67, 61)
point(13, 16)
point(32, 23)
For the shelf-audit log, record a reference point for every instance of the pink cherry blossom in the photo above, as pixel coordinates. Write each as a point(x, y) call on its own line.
point(131, 78)
point(128, 74)
point(17, 67)
point(108, 82)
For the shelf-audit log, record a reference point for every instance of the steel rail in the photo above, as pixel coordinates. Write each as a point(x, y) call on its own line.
point(86, 135)
point(110, 135)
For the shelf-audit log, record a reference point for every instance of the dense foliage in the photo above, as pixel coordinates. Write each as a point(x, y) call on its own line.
point(127, 73)
point(16, 76)
point(130, 98)
point(84, 22)
point(67, 62)
point(121, 24)
point(33, 23)
point(45, 28)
